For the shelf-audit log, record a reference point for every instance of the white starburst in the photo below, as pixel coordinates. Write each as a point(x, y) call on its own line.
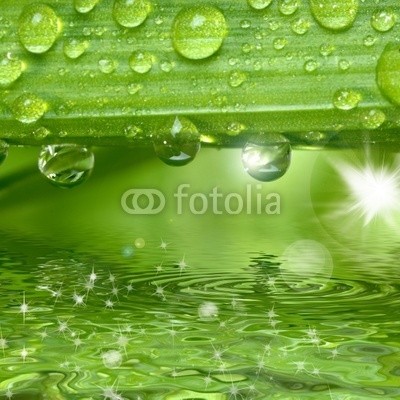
point(374, 191)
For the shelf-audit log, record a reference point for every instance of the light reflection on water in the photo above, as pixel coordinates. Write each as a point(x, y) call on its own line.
point(143, 330)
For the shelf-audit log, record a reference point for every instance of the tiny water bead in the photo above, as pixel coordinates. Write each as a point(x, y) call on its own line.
point(388, 72)
point(74, 48)
point(39, 27)
point(3, 151)
point(237, 78)
point(346, 99)
point(10, 70)
point(107, 66)
point(141, 61)
point(66, 165)
point(198, 32)
point(288, 7)
point(373, 119)
point(28, 108)
point(180, 145)
point(131, 13)
point(85, 6)
point(259, 4)
point(267, 157)
point(383, 20)
point(300, 26)
point(334, 14)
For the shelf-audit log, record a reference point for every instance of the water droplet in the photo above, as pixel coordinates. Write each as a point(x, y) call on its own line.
point(28, 108)
point(198, 32)
point(388, 72)
point(237, 78)
point(300, 26)
point(344, 65)
point(107, 66)
point(369, 40)
point(267, 157)
point(133, 88)
point(166, 66)
point(131, 13)
point(112, 359)
point(259, 4)
point(345, 99)
point(245, 24)
point(334, 14)
point(280, 43)
point(311, 65)
point(288, 7)
point(373, 119)
point(326, 49)
point(74, 48)
point(133, 131)
point(141, 61)
point(383, 20)
point(10, 70)
point(180, 144)
point(85, 6)
point(39, 27)
point(41, 133)
point(66, 165)
point(3, 151)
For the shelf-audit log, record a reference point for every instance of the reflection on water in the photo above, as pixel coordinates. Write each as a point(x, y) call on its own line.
point(72, 328)
point(96, 304)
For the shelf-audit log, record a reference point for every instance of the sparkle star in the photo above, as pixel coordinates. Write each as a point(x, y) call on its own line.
point(182, 265)
point(163, 245)
point(23, 308)
point(3, 342)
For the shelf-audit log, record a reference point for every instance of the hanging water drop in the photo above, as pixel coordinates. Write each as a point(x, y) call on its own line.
point(267, 157)
point(28, 108)
point(259, 4)
point(131, 13)
point(198, 32)
point(141, 61)
point(10, 70)
point(383, 20)
point(388, 72)
point(180, 144)
point(39, 27)
point(3, 151)
point(334, 14)
point(85, 6)
point(346, 99)
point(66, 165)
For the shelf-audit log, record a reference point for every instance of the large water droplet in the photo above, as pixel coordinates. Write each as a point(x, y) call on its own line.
point(267, 157)
point(3, 151)
point(28, 108)
point(131, 13)
point(74, 48)
point(346, 99)
point(141, 61)
point(383, 20)
point(38, 28)
point(180, 144)
point(66, 165)
point(388, 72)
point(259, 4)
point(85, 6)
point(10, 70)
point(198, 32)
point(334, 14)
